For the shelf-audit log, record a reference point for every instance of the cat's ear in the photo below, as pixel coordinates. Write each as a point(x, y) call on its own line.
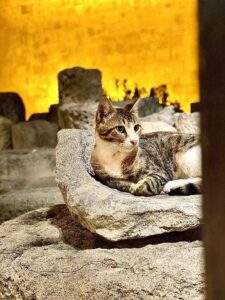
point(133, 107)
point(105, 108)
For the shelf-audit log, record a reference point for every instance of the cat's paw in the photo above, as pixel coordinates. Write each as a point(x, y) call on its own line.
point(134, 188)
point(172, 185)
point(138, 189)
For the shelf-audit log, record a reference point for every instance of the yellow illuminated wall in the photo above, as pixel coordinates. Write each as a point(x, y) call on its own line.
point(149, 42)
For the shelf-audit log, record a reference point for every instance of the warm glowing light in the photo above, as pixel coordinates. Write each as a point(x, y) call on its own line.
point(148, 42)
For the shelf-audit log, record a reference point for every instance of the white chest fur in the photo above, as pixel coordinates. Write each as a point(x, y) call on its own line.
point(109, 157)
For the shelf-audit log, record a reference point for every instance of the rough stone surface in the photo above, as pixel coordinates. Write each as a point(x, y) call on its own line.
point(188, 123)
point(26, 168)
point(149, 127)
point(46, 255)
point(79, 85)
point(29, 135)
point(18, 202)
point(12, 107)
point(147, 106)
point(77, 115)
point(108, 212)
point(5, 133)
point(166, 115)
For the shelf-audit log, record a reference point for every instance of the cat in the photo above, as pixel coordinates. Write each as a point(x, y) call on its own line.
point(143, 165)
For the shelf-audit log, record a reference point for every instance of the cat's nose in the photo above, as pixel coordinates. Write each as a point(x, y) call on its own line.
point(133, 142)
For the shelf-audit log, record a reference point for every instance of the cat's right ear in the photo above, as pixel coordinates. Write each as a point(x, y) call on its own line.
point(105, 108)
point(133, 107)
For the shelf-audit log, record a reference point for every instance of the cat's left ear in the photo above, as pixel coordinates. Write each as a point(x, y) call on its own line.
point(133, 108)
point(105, 108)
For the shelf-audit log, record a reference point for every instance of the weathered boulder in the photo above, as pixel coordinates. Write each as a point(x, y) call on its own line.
point(147, 106)
point(77, 115)
point(46, 255)
point(108, 212)
point(19, 202)
point(167, 115)
point(27, 168)
point(29, 135)
point(5, 133)
point(149, 127)
point(79, 85)
point(188, 123)
point(12, 107)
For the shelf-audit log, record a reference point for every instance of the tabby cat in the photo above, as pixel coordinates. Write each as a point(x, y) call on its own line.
point(145, 165)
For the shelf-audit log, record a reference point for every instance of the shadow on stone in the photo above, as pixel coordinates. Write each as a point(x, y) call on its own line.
point(80, 238)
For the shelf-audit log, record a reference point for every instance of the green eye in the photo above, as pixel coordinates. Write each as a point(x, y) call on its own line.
point(137, 127)
point(121, 129)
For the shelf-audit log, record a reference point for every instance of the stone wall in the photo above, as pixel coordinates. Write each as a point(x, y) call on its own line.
point(148, 42)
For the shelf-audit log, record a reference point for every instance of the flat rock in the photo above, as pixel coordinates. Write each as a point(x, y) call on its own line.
point(27, 168)
point(79, 85)
point(12, 107)
point(33, 134)
point(47, 255)
point(110, 213)
point(18, 202)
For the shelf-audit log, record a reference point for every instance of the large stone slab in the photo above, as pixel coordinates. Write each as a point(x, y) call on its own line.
point(18, 202)
point(27, 168)
point(33, 134)
point(108, 212)
point(47, 255)
point(79, 85)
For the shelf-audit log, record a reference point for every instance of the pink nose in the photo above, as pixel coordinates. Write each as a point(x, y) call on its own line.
point(133, 142)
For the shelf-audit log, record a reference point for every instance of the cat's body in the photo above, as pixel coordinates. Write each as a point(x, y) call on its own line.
point(143, 165)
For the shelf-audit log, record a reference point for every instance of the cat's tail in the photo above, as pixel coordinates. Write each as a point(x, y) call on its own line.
point(189, 186)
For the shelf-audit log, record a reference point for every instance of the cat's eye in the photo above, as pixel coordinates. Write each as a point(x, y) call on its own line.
point(121, 129)
point(137, 127)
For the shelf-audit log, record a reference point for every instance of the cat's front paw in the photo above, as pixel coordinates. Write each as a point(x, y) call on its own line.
point(137, 189)
point(172, 185)
point(140, 189)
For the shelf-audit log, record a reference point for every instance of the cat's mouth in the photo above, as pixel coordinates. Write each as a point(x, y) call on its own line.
point(128, 147)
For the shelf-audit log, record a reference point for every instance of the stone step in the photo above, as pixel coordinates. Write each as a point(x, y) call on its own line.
point(26, 168)
point(18, 202)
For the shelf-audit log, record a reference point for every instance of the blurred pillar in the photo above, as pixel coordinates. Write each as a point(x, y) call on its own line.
point(212, 91)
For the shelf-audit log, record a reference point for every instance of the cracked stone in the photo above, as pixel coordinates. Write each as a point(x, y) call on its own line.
point(47, 255)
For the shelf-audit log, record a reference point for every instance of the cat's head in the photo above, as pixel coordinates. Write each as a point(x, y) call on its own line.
point(119, 127)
